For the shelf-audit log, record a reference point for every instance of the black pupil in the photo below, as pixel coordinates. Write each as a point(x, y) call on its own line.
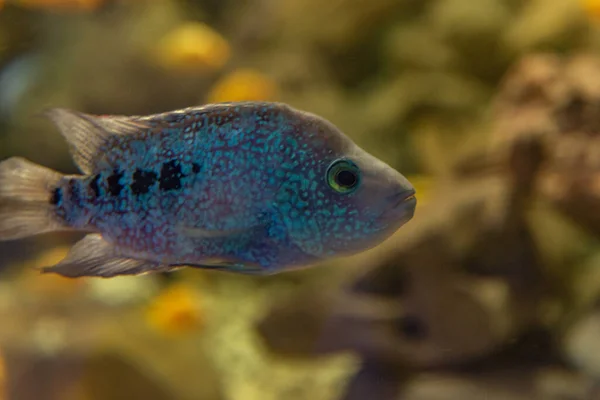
point(346, 178)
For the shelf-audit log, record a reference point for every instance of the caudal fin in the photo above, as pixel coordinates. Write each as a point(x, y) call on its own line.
point(25, 194)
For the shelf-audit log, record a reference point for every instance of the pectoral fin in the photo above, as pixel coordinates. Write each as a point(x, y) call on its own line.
point(93, 256)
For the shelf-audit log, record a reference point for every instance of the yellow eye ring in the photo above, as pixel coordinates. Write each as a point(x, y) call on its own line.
point(343, 176)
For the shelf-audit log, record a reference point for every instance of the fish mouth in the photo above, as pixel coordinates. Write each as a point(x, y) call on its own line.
point(402, 208)
point(405, 197)
point(404, 203)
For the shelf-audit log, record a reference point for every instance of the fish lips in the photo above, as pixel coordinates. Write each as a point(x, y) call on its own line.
point(403, 208)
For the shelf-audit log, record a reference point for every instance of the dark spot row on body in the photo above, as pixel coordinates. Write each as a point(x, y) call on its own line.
point(142, 181)
point(170, 176)
point(114, 184)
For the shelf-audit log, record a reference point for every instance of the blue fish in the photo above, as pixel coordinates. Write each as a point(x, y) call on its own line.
point(247, 187)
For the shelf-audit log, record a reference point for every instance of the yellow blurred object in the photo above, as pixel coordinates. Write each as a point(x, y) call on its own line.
point(592, 8)
point(48, 284)
point(191, 46)
point(422, 185)
point(176, 310)
point(241, 85)
point(49, 257)
point(65, 5)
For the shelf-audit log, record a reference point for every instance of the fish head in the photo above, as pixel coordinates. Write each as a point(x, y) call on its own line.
point(339, 199)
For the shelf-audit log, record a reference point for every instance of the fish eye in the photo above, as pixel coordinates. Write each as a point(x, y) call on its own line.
point(343, 176)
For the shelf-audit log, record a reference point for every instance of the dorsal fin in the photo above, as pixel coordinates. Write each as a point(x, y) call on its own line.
point(87, 134)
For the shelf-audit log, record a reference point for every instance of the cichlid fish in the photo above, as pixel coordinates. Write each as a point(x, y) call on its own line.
point(248, 187)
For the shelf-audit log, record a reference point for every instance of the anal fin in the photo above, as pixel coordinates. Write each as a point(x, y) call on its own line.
point(94, 256)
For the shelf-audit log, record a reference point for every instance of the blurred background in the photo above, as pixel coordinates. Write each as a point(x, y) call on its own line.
point(492, 291)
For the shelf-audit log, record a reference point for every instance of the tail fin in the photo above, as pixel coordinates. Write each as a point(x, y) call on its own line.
point(25, 193)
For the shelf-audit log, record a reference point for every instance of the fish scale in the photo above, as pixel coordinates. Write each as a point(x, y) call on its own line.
point(249, 187)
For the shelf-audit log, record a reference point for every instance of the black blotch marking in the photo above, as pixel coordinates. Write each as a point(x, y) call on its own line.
point(94, 185)
point(196, 168)
point(170, 176)
point(142, 181)
point(74, 191)
point(412, 327)
point(56, 196)
point(114, 186)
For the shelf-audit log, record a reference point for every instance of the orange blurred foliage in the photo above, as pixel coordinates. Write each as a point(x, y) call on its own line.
point(243, 85)
point(193, 45)
point(176, 310)
point(592, 8)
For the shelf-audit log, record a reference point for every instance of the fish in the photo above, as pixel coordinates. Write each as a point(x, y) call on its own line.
point(245, 187)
